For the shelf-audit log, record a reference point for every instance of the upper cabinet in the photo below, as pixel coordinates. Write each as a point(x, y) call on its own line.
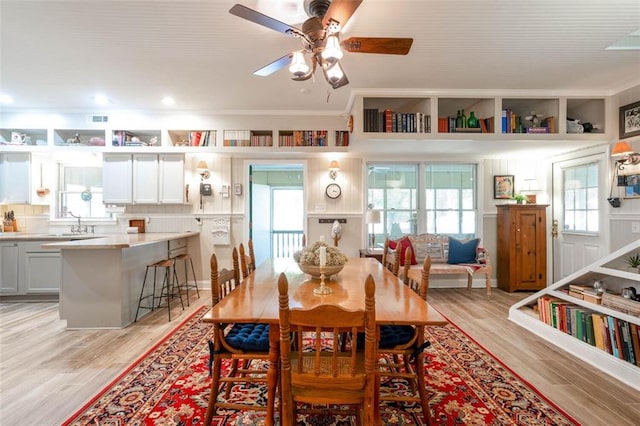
point(143, 178)
point(15, 178)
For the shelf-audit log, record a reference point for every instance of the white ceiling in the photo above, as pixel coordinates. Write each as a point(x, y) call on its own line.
point(58, 54)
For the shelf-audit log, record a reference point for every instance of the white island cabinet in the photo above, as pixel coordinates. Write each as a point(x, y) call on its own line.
point(102, 277)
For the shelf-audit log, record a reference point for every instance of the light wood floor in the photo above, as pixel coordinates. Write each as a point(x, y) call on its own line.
point(47, 372)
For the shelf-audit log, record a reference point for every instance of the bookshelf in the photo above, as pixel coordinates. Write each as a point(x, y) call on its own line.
point(551, 111)
point(290, 138)
point(342, 138)
point(20, 136)
point(244, 138)
point(136, 138)
point(542, 313)
point(482, 108)
point(396, 115)
point(515, 110)
point(78, 137)
point(192, 138)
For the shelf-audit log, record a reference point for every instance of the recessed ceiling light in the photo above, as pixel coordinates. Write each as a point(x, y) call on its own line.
point(100, 99)
point(5, 99)
point(168, 100)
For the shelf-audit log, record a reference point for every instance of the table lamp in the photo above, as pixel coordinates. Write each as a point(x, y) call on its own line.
point(371, 218)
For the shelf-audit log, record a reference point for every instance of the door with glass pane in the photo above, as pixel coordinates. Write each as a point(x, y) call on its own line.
point(578, 232)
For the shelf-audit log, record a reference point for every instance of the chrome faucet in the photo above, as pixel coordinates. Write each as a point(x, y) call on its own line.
point(80, 229)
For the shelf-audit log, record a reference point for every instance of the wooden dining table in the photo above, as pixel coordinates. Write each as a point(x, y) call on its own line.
point(256, 300)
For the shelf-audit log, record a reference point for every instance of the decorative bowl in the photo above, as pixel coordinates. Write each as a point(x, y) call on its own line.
point(315, 272)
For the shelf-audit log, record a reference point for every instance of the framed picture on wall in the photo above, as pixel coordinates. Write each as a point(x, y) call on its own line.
point(630, 120)
point(503, 187)
point(632, 186)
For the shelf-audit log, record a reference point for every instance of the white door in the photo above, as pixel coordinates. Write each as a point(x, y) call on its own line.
point(261, 221)
point(579, 233)
point(145, 178)
point(171, 179)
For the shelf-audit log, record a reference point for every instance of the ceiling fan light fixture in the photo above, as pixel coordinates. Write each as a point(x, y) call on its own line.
point(332, 52)
point(299, 66)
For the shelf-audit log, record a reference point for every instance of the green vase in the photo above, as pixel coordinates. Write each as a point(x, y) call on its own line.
point(463, 120)
point(472, 121)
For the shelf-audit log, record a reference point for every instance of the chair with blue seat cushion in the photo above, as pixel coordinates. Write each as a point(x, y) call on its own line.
point(401, 351)
point(241, 343)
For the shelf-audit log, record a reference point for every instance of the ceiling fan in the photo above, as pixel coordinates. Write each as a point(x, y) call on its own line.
point(320, 40)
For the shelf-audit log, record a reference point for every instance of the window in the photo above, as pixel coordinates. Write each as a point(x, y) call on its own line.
point(448, 207)
point(80, 192)
point(450, 195)
point(392, 188)
point(580, 198)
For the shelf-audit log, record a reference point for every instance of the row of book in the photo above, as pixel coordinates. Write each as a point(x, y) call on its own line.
point(342, 138)
point(246, 138)
point(512, 123)
point(615, 336)
point(201, 138)
point(304, 138)
point(388, 121)
point(448, 125)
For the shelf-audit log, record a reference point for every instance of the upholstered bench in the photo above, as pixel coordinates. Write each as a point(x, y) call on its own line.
point(448, 256)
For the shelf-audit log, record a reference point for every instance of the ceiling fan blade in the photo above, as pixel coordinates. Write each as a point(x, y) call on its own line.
point(386, 45)
point(264, 20)
point(274, 66)
point(341, 11)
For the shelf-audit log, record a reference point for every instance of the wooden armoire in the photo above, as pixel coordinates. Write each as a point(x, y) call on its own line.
point(522, 247)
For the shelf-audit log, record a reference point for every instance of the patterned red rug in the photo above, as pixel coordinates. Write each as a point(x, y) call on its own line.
point(169, 385)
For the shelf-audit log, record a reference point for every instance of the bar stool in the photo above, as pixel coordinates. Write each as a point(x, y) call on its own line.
point(187, 257)
point(167, 290)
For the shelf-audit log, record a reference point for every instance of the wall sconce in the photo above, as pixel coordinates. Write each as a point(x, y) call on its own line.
point(203, 170)
point(334, 167)
point(623, 150)
point(372, 217)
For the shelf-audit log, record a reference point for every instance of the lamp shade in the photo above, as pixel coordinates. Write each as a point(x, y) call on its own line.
point(372, 216)
point(621, 148)
point(333, 165)
point(202, 166)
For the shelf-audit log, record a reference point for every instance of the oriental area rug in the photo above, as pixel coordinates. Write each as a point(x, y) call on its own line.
point(170, 384)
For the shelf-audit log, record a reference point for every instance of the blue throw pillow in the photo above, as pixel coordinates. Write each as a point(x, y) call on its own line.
point(462, 252)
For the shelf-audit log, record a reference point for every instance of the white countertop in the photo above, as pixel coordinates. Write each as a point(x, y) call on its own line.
point(118, 241)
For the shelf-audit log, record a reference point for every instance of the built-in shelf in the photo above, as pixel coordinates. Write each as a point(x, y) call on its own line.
point(291, 138)
point(136, 138)
point(29, 137)
point(192, 138)
point(552, 312)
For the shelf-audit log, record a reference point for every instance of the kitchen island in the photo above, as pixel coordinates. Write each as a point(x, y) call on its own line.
point(102, 277)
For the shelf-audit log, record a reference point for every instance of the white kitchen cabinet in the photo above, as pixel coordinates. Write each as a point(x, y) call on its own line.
point(171, 179)
point(42, 272)
point(117, 179)
point(143, 178)
point(15, 178)
point(9, 268)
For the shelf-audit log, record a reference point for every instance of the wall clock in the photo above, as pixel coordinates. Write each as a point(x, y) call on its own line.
point(333, 191)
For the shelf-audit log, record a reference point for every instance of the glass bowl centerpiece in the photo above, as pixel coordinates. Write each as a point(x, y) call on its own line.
point(308, 259)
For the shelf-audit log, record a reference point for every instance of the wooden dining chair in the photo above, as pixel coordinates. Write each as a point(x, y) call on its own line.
point(402, 346)
point(321, 373)
point(390, 260)
point(247, 262)
point(240, 343)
